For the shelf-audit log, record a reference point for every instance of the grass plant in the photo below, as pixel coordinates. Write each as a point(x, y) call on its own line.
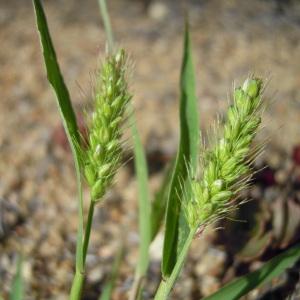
point(101, 157)
point(225, 171)
point(201, 186)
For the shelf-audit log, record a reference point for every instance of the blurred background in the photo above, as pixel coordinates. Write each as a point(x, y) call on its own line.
point(38, 214)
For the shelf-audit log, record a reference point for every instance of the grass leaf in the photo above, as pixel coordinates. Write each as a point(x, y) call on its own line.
point(66, 110)
point(17, 288)
point(158, 206)
point(54, 75)
point(187, 155)
point(110, 283)
point(243, 285)
point(144, 210)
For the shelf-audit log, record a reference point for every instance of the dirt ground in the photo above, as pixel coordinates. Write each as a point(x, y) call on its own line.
point(38, 212)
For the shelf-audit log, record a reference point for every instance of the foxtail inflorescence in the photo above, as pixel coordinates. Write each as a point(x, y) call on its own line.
point(225, 170)
point(102, 157)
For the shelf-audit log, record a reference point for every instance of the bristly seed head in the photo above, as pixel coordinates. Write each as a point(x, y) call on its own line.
point(102, 157)
point(226, 166)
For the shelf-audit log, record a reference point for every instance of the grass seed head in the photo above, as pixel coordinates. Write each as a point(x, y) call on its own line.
point(226, 167)
point(103, 154)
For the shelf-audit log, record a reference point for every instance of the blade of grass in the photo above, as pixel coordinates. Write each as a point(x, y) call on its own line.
point(109, 285)
point(187, 155)
point(54, 76)
point(107, 24)
point(158, 206)
point(273, 268)
point(17, 288)
point(66, 111)
point(144, 213)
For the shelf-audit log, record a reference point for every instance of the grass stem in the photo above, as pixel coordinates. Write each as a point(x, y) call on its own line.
point(77, 285)
point(166, 284)
point(107, 25)
point(88, 230)
point(78, 280)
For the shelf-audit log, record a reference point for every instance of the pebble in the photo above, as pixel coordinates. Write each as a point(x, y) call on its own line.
point(156, 247)
point(209, 284)
point(281, 176)
point(95, 274)
point(184, 287)
point(158, 10)
point(211, 263)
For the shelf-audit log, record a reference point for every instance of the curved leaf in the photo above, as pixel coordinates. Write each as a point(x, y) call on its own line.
point(144, 212)
point(243, 285)
point(66, 111)
point(187, 155)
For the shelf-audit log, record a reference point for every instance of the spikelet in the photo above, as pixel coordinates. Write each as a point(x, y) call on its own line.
point(103, 154)
point(226, 167)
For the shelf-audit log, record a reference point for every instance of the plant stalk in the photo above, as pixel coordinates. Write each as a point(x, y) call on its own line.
point(107, 25)
point(166, 285)
point(78, 280)
point(77, 285)
point(88, 230)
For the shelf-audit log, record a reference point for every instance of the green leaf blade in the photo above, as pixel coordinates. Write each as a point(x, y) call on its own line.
point(54, 75)
point(144, 214)
point(186, 156)
point(273, 268)
point(68, 116)
point(158, 206)
point(17, 288)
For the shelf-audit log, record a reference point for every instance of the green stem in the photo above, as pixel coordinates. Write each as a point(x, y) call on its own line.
point(88, 230)
point(78, 279)
point(107, 24)
point(77, 285)
point(166, 285)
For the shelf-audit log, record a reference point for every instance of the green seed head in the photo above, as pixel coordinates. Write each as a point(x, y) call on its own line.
point(103, 155)
point(225, 165)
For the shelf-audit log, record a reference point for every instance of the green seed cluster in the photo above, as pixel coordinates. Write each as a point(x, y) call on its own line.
point(103, 154)
point(228, 162)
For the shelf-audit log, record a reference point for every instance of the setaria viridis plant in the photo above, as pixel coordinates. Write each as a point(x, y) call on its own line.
point(222, 173)
point(101, 154)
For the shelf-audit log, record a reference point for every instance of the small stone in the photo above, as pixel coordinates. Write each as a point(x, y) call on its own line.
point(158, 11)
point(96, 274)
point(156, 246)
point(209, 285)
point(274, 160)
point(183, 290)
point(281, 176)
point(212, 263)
